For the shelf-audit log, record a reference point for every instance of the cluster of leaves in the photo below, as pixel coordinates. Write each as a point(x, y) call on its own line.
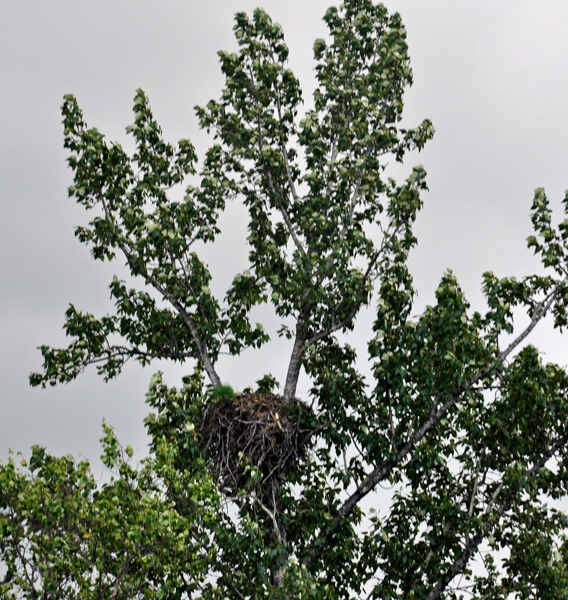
point(312, 256)
point(62, 535)
point(460, 415)
point(156, 237)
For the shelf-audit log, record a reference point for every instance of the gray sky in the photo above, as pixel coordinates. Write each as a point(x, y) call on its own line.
point(491, 74)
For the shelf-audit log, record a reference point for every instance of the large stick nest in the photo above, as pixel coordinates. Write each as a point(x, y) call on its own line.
point(258, 430)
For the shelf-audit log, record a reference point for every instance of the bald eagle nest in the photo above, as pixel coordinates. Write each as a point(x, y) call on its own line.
point(258, 430)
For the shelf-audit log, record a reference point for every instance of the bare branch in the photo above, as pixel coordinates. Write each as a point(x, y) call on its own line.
point(121, 576)
point(271, 515)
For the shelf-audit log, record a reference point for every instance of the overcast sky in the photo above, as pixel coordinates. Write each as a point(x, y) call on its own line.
point(491, 74)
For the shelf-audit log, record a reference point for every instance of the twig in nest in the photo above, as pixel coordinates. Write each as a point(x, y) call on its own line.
point(261, 430)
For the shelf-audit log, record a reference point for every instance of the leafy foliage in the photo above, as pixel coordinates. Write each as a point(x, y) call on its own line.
point(460, 417)
point(63, 536)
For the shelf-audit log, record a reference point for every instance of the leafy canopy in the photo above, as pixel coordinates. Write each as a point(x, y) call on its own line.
point(460, 418)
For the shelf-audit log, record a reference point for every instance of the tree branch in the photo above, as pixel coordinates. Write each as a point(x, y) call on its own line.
point(233, 588)
point(272, 516)
point(186, 277)
point(486, 530)
point(285, 155)
point(127, 353)
point(121, 576)
point(200, 344)
point(333, 156)
point(383, 471)
point(286, 217)
point(281, 208)
point(353, 312)
point(347, 320)
point(352, 204)
point(25, 563)
point(295, 363)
